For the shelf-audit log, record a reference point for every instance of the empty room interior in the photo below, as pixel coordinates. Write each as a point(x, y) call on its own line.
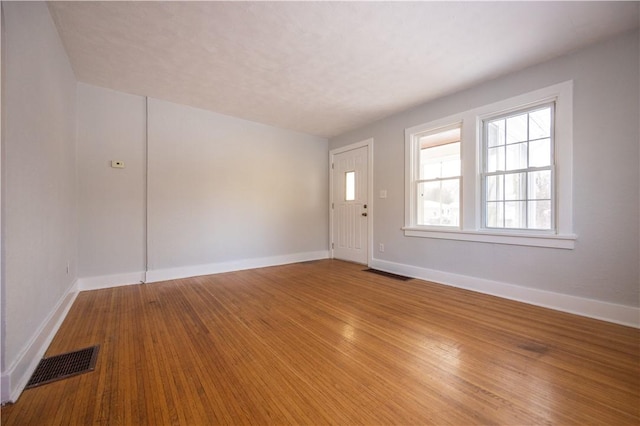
point(320, 213)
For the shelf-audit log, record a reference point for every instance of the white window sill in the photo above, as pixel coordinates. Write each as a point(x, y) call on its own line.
point(519, 239)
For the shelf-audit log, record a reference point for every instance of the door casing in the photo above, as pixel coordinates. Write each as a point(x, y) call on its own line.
point(370, 201)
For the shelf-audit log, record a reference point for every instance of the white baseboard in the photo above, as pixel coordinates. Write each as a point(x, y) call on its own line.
point(108, 281)
point(236, 265)
point(16, 377)
point(156, 275)
point(619, 314)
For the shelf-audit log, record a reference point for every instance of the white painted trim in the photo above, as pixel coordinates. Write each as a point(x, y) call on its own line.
point(4, 385)
point(471, 207)
point(146, 188)
point(156, 275)
point(108, 281)
point(532, 240)
point(16, 377)
point(370, 201)
point(611, 312)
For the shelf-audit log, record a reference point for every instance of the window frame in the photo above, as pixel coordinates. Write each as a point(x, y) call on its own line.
point(472, 221)
point(484, 173)
point(417, 179)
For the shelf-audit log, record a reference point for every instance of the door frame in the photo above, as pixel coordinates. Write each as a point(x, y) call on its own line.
point(370, 204)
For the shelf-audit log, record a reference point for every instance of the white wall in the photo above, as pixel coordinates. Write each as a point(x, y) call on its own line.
point(604, 265)
point(223, 193)
point(111, 216)
point(38, 183)
point(222, 189)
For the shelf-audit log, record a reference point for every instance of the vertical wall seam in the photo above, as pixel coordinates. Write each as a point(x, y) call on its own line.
point(146, 188)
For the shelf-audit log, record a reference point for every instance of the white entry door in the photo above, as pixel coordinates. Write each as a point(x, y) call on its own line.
point(350, 212)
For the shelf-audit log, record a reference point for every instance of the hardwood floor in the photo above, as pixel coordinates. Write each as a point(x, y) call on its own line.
point(325, 342)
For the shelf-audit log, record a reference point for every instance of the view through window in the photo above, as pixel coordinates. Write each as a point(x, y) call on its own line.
point(518, 174)
point(438, 183)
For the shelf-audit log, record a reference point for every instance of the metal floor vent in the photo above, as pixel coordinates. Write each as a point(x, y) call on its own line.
point(60, 367)
point(388, 274)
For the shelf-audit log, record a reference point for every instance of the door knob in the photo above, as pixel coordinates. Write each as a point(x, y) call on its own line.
point(364, 214)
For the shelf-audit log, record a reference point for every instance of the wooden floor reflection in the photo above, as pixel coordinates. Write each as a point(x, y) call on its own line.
point(325, 342)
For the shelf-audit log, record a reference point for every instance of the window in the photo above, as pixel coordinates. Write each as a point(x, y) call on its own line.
point(438, 178)
point(517, 177)
point(350, 186)
point(500, 173)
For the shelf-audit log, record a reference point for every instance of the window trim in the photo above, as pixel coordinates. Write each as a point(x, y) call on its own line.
point(484, 173)
point(415, 177)
point(471, 225)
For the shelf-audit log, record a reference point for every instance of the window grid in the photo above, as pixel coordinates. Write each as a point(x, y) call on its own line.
point(502, 171)
point(551, 224)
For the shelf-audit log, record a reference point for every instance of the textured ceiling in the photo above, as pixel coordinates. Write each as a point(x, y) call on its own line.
point(320, 67)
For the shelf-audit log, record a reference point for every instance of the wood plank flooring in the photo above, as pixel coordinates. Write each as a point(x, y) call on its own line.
point(327, 343)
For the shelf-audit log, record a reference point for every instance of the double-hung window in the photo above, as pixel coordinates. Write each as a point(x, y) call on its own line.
point(517, 177)
point(437, 183)
point(500, 173)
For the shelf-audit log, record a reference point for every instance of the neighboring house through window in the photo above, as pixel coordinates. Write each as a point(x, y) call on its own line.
point(437, 182)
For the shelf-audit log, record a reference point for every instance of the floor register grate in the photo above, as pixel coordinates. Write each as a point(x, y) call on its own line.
point(58, 367)
point(388, 274)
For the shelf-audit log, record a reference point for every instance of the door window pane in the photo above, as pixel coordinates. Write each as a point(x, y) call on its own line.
point(350, 186)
